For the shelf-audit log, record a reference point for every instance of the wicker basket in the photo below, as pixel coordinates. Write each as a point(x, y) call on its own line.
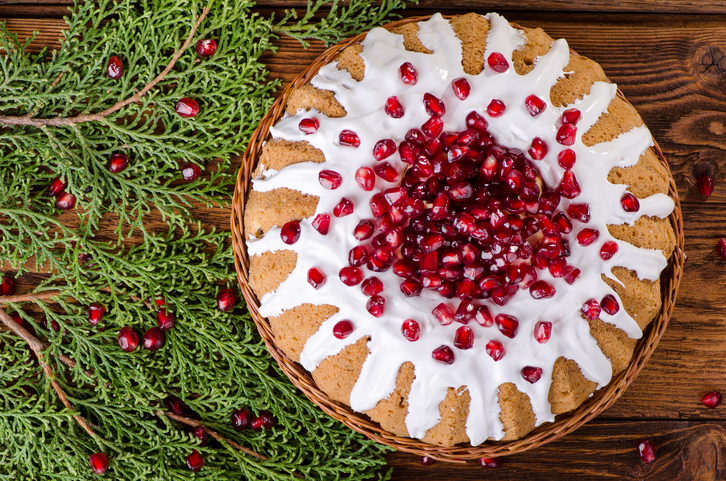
point(546, 433)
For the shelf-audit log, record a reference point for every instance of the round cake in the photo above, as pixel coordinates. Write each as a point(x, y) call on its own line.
point(458, 228)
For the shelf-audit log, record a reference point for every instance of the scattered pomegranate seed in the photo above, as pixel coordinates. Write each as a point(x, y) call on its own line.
point(175, 405)
point(433, 127)
point(569, 187)
point(531, 374)
point(349, 138)
point(365, 178)
point(393, 107)
point(711, 399)
point(534, 105)
point(591, 309)
point(226, 300)
point(541, 290)
point(411, 287)
point(342, 329)
point(443, 314)
point(127, 339)
point(264, 419)
point(65, 201)
point(114, 68)
point(408, 73)
point(95, 313)
point(118, 163)
point(386, 171)
point(187, 107)
point(610, 305)
point(566, 134)
point(464, 338)
point(376, 306)
point(190, 172)
point(705, 185)
point(201, 434)
point(443, 354)
point(434, 106)
point(427, 460)
point(538, 149)
point(629, 202)
point(410, 330)
point(316, 278)
point(290, 232)
point(165, 319)
point(608, 250)
point(56, 186)
point(461, 88)
point(566, 159)
point(721, 245)
point(364, 229)
point(321, 223)
point(153, 339)
point(384, 149)
point(495, 349)
point(99, 462)
point(53, 324)
point(496, 108)
point(497, 62)
point(646, 450)
point(330, 179)
point(351, 276)
point(483, 316)
point(195, 461)
point(571, 116)
point(587, 236)
point(490, 463)
point(8, 286)
point(542, 331)
point(309, 125)
point(344, 207)
point(206, 47)
point(372, 286)
point(241, 419)
point(507, 325)
point(579, 212)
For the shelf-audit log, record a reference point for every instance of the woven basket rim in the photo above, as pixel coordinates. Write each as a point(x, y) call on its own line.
point(548, 432)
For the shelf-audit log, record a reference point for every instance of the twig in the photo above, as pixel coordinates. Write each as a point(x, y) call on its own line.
point(29, 297)
point(37, 348)
point(59, 121)
point(215, 435)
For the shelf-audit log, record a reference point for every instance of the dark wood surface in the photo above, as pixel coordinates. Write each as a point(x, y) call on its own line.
point(669, 58)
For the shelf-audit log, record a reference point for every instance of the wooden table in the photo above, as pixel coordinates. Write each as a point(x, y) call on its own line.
point(669, 58)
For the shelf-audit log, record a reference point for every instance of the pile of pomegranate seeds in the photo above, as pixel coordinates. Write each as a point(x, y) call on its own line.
point(99, 463)
point(711, 399)
point(705, 185)
point(646, 450)
point(195, 461)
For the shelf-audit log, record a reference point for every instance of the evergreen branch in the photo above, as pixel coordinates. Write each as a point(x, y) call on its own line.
point(69, 121)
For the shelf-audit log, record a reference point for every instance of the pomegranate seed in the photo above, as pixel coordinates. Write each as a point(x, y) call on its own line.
point(534, 105)
point(206, 47)
point(264, 419)
point(497, 62)
point(410, 330)
point(629, 202)
point(443, 314)
point(531, 374)
point(542, 331)
point(443, 354)
point(608, 250)
point(507, 325)
point(378, 205)
point(569, 187)
point(579, 212)
point(190, 172)
point(393, 107)
point(434, 106)
point(8, 286)
point(309, 126)
point(321, 223)
point(490, 463)
point(495, 349)
point(175, 405)
point(153, 339)
point(376, 306)
point(431, 281)
point(164, 319)
point(372, 286)
point(587, 236)
point(201, 434)
point(483, 316)
point(127, 339)
point(384, 149)
point(386, 171)
point(541, 290)
point(99, 462)
point(465, 312)
point(461, 88)
point(563, 222)
point(557, 267)
point(118, 163)
point(571, 274)
point(721, 245)
point(330, 179)
point(365, 178)
point(195, 461)
point(350, 276)
point(44, 323)
point(408, 73)
point(711, 399)
point(431, 242)
point(95, 313)
point(413, 208)
point(433, 127)
point(114, 68)
point(646, 450)
point(342, 329)
point(496, 108)
point(316, 278)
point(538, 149)
point(290, 232)
point(411, 287)
point(570, 116)
point(349, 138)
point(364, 229)
point(241, 419)
point(344, 207)
point(427, 461)
point(566, 134)
point(464, 338)
point(705, 184)
point(566, 159)
point(591, 309)
point(187, 107)
point(610, 305)
point(515, 181)
point(461, 191)
point(56, 186)
point(65, 201)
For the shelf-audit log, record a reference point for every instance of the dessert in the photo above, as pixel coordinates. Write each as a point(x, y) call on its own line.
point(458, 228)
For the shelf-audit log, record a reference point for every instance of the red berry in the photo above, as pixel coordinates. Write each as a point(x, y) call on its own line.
point(56, 186)
point(118, 163)
point(538, 149)
point(187, 107)
point(226, 300)
point(190, 172)
point(264, 419)
point(164, 319)
point(410, 330)
point(490, 463)
point(95, 313)
point(114, 69)
point(201, 434)
point(591, 309)
point(99, 462)
point(349, 138)
point(531, 374)
point(711, 399)
point(534, 105)
point(646, 450)
point(408, 73)
point(241, 419)
point(497, 62)
point(127, 339)
point(309, 126)
point(566, 159)
point(496, 108)
point(393, 107)
point(461, 88)
point(206, 47)
point(443, 354)
point(705, 184)
point(427, 460)
point(542, 331)
point(610, 305)
point(8, 286)
point(342, 329)
point(316, 278)
point(495, 349)
point(629, 202)
point(321, 223)
point(290, 232)
point(175, 405)
point(65, 201)
point(330, 179)
point(153, 339)
point(608, 250)
point(195, 461)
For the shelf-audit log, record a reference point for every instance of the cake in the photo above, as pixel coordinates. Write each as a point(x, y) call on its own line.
point(458, 228)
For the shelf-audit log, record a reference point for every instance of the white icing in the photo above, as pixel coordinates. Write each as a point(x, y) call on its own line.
point(383, 52)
